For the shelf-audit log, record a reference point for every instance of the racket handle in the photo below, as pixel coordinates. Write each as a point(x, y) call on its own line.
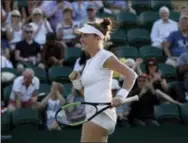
point(130, 99)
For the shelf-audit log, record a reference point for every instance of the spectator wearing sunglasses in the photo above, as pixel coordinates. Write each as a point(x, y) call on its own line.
point(27, 51)
point(14, 29)
point(154, 75)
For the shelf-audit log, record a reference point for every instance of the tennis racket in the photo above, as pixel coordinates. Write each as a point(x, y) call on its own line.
point(84, 111)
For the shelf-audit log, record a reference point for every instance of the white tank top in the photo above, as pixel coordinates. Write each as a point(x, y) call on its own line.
point(97, 81)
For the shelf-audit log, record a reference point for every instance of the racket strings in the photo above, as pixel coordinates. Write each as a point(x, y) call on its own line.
point(75, 114)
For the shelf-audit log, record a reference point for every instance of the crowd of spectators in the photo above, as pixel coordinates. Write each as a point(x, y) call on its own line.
point(36, 33)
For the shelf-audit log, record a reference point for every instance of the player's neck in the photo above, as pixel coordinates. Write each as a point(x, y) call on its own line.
point(93, 52)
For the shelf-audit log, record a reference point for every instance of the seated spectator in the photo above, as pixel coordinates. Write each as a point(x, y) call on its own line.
point(97, 4)
point(184, 10)
point(65, 29)
point(79, 112)
point(154, 75)
point(183, 69)
point(162, 28)
point(177, 41)
point(27, 51)
point(24, 91)
point(91, 15)
point(142, 111)
point(5, 63)
point(40, 26)
point(79, 10)
point(53, 52)
point(52, 102)
point(14, 29)
point(53, 11)
point(118, 6)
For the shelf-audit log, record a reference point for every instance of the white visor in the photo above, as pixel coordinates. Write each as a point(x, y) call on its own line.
point(88, 29)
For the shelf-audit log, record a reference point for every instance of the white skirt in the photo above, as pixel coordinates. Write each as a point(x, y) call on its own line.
point(106, 119)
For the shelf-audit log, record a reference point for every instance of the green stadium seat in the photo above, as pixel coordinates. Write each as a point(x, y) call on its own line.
point(71, 54)
point(147, 19)
point(25, 115)
point(126, 20)
point(167, 113)
point(118, 36)
point(138, 37)
point(67, 89)
point(169, 72)
point(149, 52)
point(43, 91)
point(11, 70)
point(141, 6)
point(59, 74)
point(5, 122)
point(106, 15)
point(41, 74)
point(184, 112)
point(143, 67)
point(174, 15)
point(128, 52)
point(157, 4)
point(6, 93)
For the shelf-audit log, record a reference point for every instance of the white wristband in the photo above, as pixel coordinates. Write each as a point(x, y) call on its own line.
point(77, 84)
point(123, 93)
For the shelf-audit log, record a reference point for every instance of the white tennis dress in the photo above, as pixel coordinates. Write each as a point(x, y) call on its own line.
point(97, 88)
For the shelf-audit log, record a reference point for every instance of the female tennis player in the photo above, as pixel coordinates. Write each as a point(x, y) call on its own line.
point(96, 80)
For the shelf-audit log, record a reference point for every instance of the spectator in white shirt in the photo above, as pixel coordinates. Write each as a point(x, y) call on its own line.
point(24, 91)
point(5, 63)
point(65, 29)
point(40, 25)
point(14, 29)
point(162, 28)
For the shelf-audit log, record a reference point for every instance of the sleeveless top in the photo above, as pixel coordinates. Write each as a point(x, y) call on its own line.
point(97, 81)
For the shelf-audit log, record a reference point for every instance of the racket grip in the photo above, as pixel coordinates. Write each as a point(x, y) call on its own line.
point(130, 99)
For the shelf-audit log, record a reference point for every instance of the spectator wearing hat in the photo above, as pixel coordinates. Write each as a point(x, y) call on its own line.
point(177, 42)
point(91, 15)
point(65, 29)
point(162, 27)
point(27, 51)
point(14, 29)
point(40, 26)
point(53, 52)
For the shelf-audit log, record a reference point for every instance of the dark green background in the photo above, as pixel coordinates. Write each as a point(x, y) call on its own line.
point(164, 134)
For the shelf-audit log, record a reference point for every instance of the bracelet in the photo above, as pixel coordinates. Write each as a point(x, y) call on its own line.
point(123, 93)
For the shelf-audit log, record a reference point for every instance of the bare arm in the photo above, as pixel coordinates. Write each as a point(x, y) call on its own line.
point(45, 101)
point(166, 97)
point(164, 85)
point(183, 68)
point(18, 57)
point(61, 99)
point(130, 76)
point(38, 57)
point(166, 49)
point(9, 32)
point(17, 99)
